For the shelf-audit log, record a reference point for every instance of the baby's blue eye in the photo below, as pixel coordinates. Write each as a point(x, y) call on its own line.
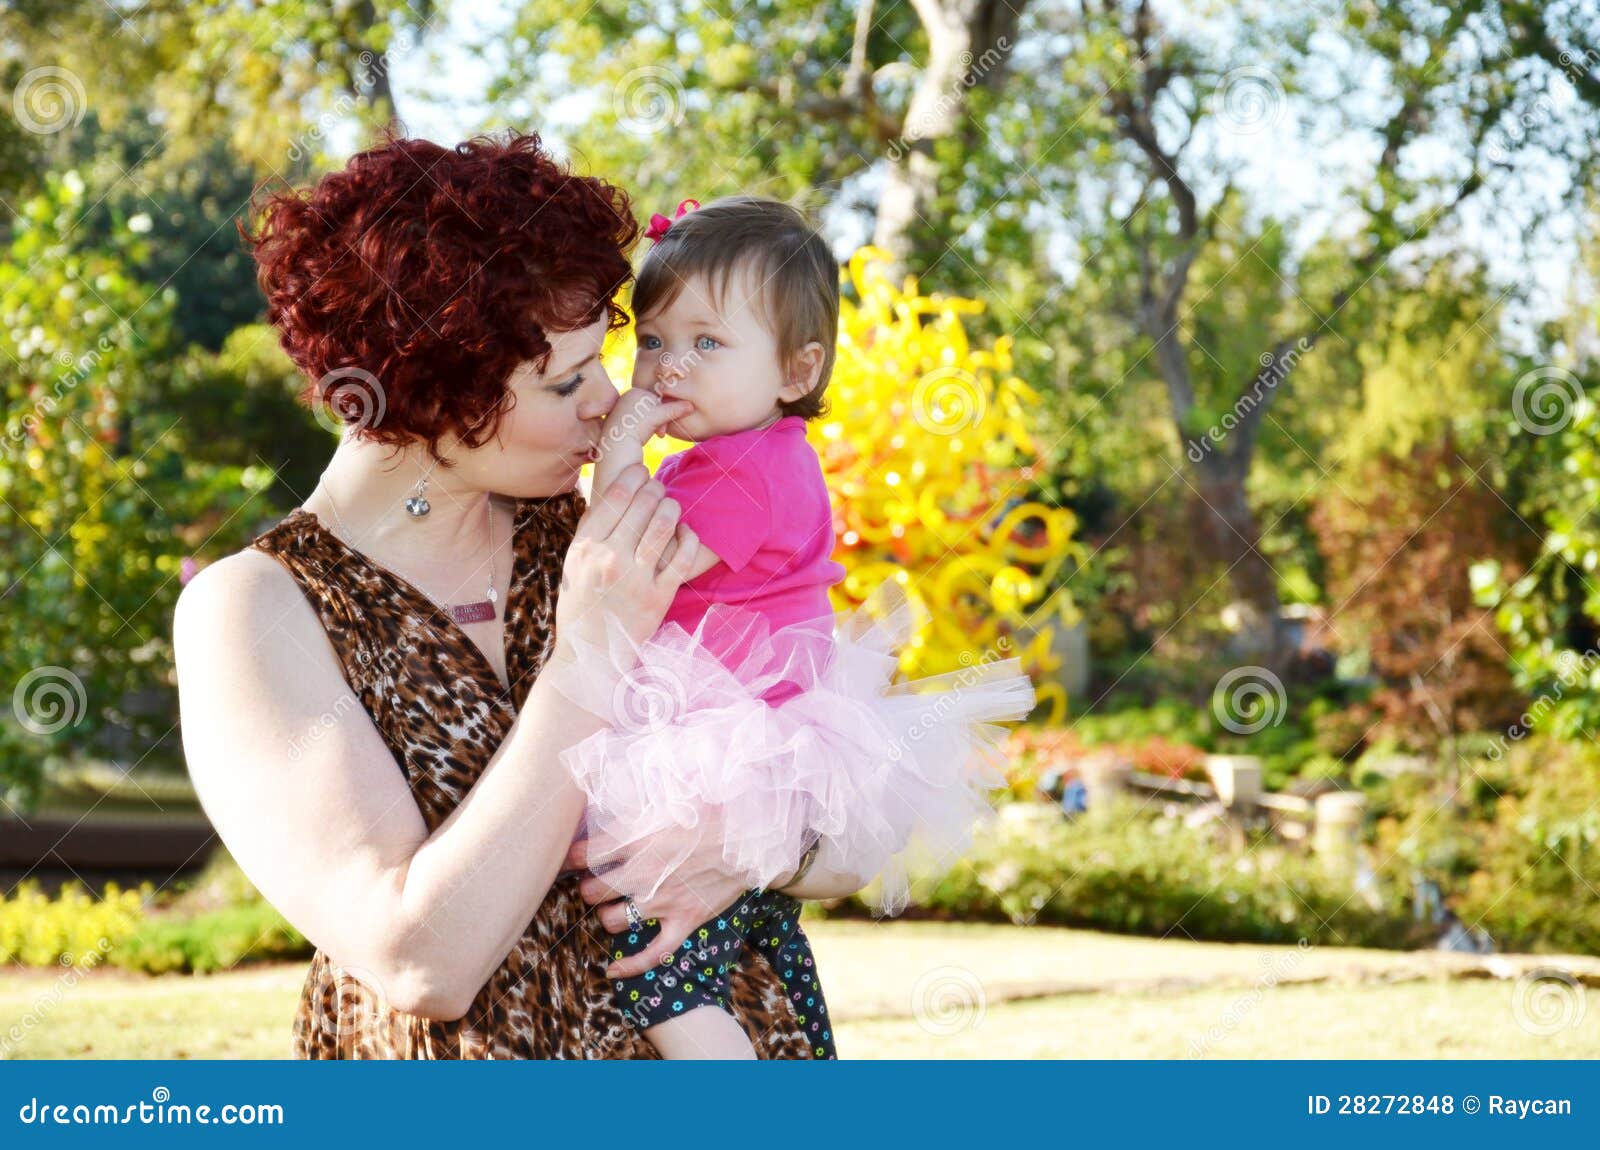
point(649, 342)
point(704, 340)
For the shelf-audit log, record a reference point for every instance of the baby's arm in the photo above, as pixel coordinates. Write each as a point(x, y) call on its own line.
point(637, 416)
point(704, 559)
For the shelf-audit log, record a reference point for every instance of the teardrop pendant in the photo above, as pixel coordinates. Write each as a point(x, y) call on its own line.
point(418, 506)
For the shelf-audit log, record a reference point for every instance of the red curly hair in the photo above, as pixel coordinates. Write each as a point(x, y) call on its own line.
point(436, 271)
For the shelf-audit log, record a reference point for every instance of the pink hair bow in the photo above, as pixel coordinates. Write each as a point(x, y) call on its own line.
point(659, 223)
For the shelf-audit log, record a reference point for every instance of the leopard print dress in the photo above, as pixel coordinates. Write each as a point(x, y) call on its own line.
point(442, 710)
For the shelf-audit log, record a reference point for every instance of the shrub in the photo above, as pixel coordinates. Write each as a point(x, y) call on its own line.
point(218, 940)
point(1120, 871)
point(216, 923)
point(1173, 736)
point(74, 928)
point(1399, 563)
point(1513, 846)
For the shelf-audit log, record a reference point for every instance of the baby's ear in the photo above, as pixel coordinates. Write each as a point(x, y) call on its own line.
point(805, 369)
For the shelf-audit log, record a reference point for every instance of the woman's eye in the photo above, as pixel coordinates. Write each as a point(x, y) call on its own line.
point(707, 343)
point(567, 390)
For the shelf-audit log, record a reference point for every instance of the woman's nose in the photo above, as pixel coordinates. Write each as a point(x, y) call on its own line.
point(600, 400)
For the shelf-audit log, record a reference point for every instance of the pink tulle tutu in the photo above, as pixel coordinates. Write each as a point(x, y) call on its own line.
point(794, 731)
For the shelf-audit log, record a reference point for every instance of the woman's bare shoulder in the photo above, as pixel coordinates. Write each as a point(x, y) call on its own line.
point(247, 589)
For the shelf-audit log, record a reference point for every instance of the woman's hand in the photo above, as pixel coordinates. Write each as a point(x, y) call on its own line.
point(695, 890)
point(627, 559)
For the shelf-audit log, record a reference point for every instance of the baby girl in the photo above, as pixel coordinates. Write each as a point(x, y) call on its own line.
point(755, 696)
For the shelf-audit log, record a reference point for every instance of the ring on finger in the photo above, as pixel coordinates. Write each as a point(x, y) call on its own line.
point(631, 908)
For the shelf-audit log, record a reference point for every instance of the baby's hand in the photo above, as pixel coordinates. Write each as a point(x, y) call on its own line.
point(638, 415)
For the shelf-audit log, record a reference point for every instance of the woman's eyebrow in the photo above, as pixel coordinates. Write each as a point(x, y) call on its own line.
point(560, 376)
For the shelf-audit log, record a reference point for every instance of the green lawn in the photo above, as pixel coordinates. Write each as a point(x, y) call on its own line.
point(923, 990)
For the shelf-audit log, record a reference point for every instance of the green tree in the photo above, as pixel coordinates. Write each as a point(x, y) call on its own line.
point(99, 506)
point(1067, 165)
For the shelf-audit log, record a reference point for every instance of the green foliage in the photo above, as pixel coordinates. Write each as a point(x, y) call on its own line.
point(1431, 368)
point(701, 100)
point(239, 406)
point(1550, 615)
point(1122, 871)
point(1514, 842)
point(269, 80)
point(184, 213)
point(101, 505)
point(216, 922)
point(218, 940)
point(1302, 740)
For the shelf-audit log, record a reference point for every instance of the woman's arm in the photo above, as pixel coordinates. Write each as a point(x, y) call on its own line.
point(302, 788)
point(318, 813)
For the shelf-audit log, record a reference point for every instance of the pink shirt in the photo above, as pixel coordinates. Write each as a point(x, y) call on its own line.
point(758, 499)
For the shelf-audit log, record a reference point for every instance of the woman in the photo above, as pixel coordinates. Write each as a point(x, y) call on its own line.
point(370, 692)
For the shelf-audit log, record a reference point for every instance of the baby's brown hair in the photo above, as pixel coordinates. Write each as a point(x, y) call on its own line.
point(799, 294)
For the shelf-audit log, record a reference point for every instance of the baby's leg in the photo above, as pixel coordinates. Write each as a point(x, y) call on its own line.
point(682, 1006)
point(704, 1033)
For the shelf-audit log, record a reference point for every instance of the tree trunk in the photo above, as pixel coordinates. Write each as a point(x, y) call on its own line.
point(969, 42)
point(1232, 534)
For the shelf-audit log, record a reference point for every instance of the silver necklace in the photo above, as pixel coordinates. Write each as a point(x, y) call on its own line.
point(479, 612)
